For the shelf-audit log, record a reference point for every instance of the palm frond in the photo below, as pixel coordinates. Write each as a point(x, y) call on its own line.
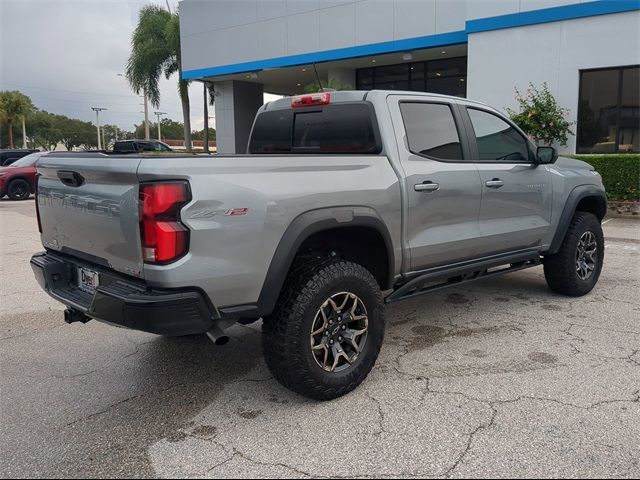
point(150, 52)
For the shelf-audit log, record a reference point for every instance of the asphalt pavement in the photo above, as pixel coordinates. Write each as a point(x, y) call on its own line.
point(501, 378)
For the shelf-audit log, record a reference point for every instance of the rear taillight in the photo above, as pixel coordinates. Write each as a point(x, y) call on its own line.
point(164, 238)
point(311, 100)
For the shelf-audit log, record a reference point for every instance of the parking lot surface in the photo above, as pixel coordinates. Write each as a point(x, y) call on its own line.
point(497, 379)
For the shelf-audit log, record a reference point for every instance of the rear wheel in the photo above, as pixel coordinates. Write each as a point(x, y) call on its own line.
point(575, 269)
point(326, 332)
point(19, 189)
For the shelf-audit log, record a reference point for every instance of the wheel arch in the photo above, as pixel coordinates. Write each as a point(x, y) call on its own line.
point(311, 223)
point(584, 198)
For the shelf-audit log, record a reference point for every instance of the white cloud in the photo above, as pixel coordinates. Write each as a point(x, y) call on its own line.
point(66, 54)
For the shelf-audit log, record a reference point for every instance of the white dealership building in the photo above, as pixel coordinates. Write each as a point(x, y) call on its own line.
point(587, 52)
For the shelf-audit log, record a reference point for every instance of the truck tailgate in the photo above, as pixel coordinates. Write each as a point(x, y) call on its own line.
point(89, 209)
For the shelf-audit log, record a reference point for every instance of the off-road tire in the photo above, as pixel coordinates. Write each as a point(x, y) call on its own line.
point(19, 189)
point(286, 332)
point(560, 269)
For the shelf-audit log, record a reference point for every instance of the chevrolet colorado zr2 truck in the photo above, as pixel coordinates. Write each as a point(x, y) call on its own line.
point(345, 201)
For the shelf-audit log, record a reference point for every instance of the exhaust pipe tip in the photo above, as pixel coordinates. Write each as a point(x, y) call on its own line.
point(220, 341)
point(217, 336)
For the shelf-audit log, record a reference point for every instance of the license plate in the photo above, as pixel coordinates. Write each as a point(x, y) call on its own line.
point(88, 280)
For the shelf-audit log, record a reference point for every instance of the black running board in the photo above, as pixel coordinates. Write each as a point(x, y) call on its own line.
point(444, 277)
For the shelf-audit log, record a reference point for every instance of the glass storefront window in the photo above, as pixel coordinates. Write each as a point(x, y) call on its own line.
point(364, 79)
point(392, 77)
point(629, 136)
point(609, 111)
point(416, 72)
point(447, 76)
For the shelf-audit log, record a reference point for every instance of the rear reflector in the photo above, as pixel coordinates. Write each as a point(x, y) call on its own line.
point(311, 100)
point(164, 238)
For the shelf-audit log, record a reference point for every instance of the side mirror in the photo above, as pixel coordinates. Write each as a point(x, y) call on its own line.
point(546, 155)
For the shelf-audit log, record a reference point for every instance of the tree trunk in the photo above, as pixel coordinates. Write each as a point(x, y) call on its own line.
point(186, 114)
point(206, 118)
point(24, 134)
point(10, 125)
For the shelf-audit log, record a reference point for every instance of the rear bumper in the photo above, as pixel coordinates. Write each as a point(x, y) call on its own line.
point(123, 301)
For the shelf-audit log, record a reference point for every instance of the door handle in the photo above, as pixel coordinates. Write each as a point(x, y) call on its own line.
point(71, 179)
point(426, 187)
point(494, 183)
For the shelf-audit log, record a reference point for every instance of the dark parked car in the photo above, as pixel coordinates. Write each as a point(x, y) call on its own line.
point(139, 146)
point(8, 156)
point(18, 180)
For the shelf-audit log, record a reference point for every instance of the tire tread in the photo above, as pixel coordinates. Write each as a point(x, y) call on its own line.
point(283, 330)
point(559, 268)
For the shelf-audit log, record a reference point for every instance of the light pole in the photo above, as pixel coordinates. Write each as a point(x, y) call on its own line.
point(147, 136)
point(98, 110)
point(158, 114)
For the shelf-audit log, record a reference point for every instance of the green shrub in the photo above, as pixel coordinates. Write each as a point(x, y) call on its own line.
point(541, 117)
point(620, 174)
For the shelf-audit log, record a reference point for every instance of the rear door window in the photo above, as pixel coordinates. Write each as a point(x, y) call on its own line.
point(125, 147)
point(339, 128)
point(431, 130)
point(146, 146)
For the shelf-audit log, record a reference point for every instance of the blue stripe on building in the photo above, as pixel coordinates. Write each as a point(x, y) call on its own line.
point(521, 19)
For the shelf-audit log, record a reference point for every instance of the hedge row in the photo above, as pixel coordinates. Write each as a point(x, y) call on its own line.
point(620, 174)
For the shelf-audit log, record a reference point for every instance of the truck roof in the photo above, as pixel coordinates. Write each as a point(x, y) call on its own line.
point(360, 95)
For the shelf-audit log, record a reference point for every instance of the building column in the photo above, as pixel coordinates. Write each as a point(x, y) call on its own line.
point(236, 104)
point(343, 76)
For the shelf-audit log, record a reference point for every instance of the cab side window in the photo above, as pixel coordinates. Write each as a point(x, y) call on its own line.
point(145, 147)
point(431, 130)
point(496, 139)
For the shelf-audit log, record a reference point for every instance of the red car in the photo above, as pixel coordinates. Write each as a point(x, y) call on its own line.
point(18, 180)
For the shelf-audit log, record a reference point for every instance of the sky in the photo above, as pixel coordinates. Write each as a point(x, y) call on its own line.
point(66, 55)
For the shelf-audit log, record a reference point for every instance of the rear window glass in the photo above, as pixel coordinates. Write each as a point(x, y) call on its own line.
point(339, 128)
point(272, 132)
point(27, 161)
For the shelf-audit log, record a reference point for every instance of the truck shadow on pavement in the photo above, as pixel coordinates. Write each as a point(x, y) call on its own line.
point(120, 405)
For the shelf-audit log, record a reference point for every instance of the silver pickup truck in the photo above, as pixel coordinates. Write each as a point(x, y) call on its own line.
point(345, 201)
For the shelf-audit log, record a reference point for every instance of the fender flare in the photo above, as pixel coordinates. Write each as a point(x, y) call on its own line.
point(577, 194)
point(301, 228)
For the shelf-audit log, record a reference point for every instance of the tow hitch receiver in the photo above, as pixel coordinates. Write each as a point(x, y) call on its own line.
point(71, 315)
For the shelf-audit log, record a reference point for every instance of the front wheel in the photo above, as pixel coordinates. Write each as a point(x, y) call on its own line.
point(327, 330)
point(575, 269)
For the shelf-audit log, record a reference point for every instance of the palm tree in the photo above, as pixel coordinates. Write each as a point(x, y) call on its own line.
point(13, 107)
point(155, 50)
